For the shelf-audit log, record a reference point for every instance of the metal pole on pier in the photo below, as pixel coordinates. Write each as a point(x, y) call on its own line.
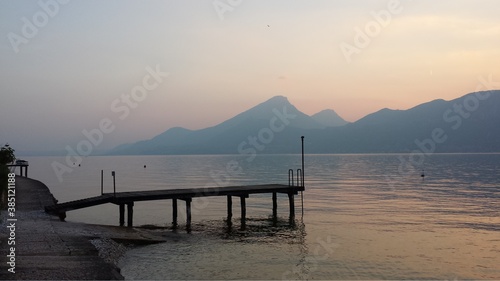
point(114, 183)
point(303, 182)
point(303, 172)
point(102, 182)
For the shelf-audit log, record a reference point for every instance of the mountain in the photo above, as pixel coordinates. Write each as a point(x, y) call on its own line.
point(329, 118)
point(466, 124)
point(268, 122)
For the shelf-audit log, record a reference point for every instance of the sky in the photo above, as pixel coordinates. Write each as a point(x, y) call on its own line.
point(133, 69)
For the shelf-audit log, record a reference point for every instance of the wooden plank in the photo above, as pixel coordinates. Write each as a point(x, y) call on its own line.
point(204, 192)
point(79, 204)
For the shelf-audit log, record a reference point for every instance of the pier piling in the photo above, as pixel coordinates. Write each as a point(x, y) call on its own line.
point(243, 211)
point(292, 206)
point(229, 209)
point(174, 213)
point(122, 214)
point(188, 212)
point(130, 214)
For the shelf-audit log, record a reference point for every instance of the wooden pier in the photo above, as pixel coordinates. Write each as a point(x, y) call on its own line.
point(128, 199)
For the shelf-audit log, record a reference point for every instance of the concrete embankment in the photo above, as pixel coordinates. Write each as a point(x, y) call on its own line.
point(48, 249)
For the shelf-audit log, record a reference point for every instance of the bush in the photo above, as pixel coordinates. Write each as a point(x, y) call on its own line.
point(6, 156)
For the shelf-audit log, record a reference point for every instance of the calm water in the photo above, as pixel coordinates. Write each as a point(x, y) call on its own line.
point(356, 223)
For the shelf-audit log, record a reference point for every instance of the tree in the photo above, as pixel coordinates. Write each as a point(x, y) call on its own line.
point(6, 155)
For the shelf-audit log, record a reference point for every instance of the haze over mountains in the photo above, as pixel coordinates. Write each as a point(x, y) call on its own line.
point(466, 124)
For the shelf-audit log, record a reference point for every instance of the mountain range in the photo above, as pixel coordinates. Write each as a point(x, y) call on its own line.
point(466, 124)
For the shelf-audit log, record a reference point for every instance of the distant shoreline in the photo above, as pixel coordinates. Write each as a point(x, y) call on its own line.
point(60, 154)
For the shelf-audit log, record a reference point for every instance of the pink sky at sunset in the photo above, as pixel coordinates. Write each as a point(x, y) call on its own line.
point(220, 63)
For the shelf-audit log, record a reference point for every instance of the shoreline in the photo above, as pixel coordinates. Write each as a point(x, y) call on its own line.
point(49, 249)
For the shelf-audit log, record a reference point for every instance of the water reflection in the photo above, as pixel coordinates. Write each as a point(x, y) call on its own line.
point(356, 225)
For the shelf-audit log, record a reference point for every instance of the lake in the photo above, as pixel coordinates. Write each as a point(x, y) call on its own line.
point(364, 216)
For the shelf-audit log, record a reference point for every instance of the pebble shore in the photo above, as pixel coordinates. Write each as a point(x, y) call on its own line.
point(109, 250)
point(49, 249)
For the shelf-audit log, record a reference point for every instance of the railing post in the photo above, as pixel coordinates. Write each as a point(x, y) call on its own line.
point(299, 178)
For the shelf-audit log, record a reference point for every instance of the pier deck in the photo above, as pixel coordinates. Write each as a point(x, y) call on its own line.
point(128, 198)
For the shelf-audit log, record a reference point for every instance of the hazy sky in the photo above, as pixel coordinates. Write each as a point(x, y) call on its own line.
point(65, 67)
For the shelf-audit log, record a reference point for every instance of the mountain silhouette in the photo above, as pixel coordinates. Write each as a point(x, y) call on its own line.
point(329, 118)
point(466, 124)
point(273, 119)
point(469, 124)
